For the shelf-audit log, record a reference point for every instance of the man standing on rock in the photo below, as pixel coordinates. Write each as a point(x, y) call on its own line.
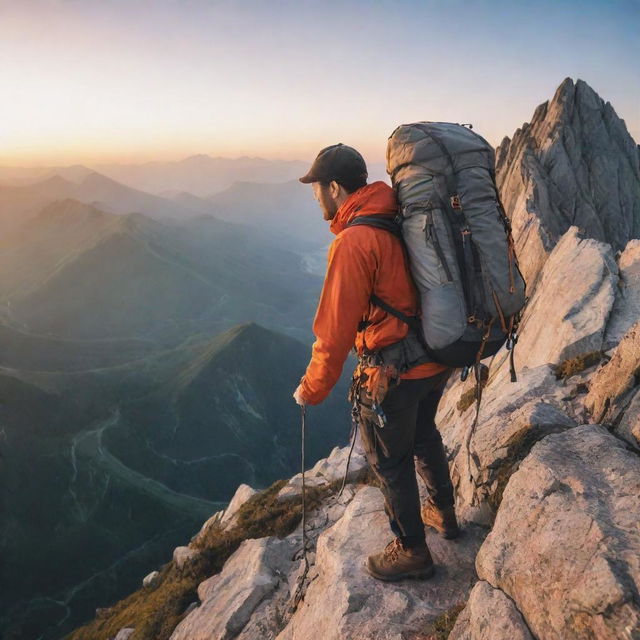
point(367, 267)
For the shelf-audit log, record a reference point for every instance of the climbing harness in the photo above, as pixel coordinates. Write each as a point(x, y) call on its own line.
point(354, 393)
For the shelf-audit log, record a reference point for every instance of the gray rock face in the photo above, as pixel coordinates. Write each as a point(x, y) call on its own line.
point(230, 597)
point(242, 494)
point(183, 556)
point(565, 546)
point(343, 601)
point(489, 615)
point(151, 579)
point(513, 416)
point(629, 425)
point(573, 164)
point(626, 308)
point(227, 518)
point(568, 312)
point(500, 444)
point(328, 470)
point(613, 385)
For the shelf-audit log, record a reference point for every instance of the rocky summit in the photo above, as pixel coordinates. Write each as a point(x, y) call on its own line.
point(547, 485)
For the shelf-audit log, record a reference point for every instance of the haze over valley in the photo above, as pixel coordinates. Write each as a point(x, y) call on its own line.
point(150, 347)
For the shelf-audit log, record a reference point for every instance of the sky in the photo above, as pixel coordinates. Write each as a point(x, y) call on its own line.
point(136, 80)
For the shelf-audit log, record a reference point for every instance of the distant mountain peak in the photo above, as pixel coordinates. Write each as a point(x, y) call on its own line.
point(70, 206)
point(247, 332)
point(566, 86)
point(230, 349)
point(571, 97)
point(574, 164)
point(251, 330)
point(54, 181)
point(197, 156)
point(94, 178)
point(205, 158)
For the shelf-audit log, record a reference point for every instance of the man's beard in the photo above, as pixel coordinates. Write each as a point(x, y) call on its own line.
point(328, 206)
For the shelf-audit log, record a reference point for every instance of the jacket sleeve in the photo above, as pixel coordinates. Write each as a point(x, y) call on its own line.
point(348, 284)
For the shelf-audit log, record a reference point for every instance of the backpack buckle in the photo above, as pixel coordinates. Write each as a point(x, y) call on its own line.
point(455, 203)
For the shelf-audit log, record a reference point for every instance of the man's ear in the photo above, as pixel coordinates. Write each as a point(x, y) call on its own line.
point(334, 189)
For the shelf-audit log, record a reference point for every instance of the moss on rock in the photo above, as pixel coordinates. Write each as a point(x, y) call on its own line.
point(155, 612)
point(571, 367)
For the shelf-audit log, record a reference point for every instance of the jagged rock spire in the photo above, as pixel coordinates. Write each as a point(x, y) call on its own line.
point(573, 164)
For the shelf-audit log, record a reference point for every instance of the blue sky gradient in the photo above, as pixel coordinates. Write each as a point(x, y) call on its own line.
point(88, 80)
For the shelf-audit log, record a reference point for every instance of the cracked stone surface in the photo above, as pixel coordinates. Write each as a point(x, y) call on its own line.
point(575, 164)
point(328, 469)
point(626, 308)
point(629, 425)
point(229, 598)
point(489, 615)
point(613, 385)
point(568, 311)
point(565, 545)
point(512, 417)
point(345, 602)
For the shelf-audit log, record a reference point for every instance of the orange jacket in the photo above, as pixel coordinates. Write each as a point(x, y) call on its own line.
point(361, 260)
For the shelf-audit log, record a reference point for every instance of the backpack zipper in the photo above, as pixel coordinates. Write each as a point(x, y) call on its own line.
point(432, 234)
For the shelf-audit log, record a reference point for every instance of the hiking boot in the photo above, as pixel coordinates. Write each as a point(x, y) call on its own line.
point(397, 562)
point(442, 520)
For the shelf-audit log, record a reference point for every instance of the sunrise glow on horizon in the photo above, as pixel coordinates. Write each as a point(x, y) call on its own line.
point(132, 81)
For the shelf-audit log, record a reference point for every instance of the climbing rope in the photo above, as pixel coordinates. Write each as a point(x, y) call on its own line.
point(299, 595)
point(346, 471)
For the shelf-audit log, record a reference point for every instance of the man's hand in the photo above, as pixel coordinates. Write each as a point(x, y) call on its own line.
point(297, 396)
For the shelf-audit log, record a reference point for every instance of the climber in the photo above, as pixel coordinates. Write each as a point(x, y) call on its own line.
point(394, 403)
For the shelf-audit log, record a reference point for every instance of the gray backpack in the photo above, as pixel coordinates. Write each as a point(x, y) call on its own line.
point(459, 241)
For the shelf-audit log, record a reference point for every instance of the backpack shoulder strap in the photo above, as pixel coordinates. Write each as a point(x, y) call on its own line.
point(412, 321)
point(393, 224)
point(388, 223)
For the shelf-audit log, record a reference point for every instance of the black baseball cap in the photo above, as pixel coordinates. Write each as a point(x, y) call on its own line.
point(337, 162)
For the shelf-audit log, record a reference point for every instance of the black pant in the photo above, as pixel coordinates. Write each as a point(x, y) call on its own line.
point(410, 430)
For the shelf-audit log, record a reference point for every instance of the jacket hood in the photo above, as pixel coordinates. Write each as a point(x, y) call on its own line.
point(375, 198)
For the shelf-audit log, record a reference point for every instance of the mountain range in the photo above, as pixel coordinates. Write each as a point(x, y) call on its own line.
point(202, 175)
point(546, 484)
point(136, 387)
point(18, 203)
point(75, 271)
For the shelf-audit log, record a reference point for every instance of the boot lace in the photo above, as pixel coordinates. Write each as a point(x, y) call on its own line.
point(393, 549)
